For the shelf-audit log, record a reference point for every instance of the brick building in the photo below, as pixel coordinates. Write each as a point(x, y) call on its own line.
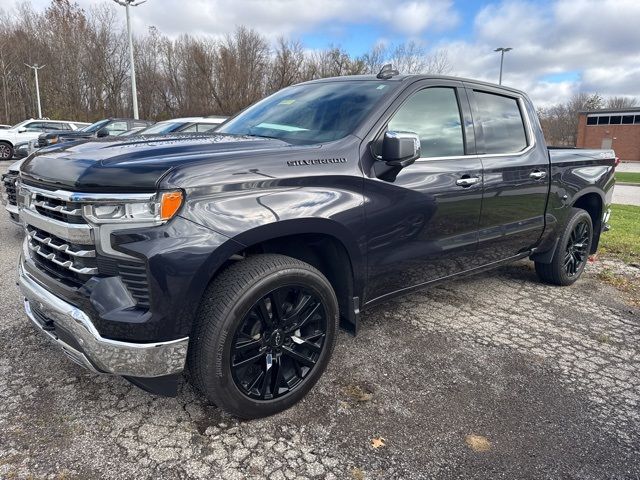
point(617, 128)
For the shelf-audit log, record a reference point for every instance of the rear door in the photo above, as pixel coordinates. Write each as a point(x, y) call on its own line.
point(422, 225)
point(516, 174)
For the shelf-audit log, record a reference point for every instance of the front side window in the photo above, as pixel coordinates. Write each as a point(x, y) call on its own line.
point(502, 123)
point(434, 115)
point(116, 128)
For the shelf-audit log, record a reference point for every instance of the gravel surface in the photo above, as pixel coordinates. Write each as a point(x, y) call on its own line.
point(493, 376)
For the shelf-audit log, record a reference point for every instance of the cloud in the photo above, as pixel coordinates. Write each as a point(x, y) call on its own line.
point(597, 41)
point(597, 38)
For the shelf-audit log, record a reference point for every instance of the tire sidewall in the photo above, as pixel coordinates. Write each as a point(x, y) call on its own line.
point(577, 216)
point(220, 379)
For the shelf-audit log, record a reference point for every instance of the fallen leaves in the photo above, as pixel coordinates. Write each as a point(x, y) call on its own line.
point(478, 443)
point(378, 442)
point(358, 393)
point(357, 473)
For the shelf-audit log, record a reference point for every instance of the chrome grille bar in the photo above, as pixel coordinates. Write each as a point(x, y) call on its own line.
point(68, 264)
point(73, 233)
point(58, 208)
point(64, 248)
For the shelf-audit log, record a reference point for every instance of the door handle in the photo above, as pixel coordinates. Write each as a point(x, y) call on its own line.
point(467, 182)
point(538, 174)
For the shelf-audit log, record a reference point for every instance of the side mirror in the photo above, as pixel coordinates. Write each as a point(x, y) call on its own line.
point(103, 132)
point(400, 149)
point(22, 129)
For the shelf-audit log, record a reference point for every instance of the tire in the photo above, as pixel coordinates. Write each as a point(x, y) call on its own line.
point(239, 318)
point(6, 151)
point(572, 252)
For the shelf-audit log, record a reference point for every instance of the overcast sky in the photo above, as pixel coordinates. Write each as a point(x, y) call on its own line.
point(559, 46)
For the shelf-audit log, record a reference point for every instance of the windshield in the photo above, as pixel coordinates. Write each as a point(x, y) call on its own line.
point(313, 113)
point(95, 126)
point(162, 128)
point(18, 125)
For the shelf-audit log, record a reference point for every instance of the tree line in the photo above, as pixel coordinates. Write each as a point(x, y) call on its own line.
point(87, 66)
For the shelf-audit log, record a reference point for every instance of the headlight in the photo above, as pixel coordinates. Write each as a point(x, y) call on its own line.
point(158, 210)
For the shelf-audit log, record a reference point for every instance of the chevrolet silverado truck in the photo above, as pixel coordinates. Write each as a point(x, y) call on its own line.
point(234, 257)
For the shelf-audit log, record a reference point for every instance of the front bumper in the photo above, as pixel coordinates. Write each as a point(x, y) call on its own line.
point(72, 330)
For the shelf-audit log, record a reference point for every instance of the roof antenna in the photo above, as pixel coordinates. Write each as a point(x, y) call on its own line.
point(387, 72)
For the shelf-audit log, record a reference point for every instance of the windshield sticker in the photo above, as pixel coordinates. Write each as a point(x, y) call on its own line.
point(284, 128)
point(287, 102)
point(380, 87)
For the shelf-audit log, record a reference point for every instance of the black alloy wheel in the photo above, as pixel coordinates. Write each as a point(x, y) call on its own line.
point(576, 252)
point(278, 342)
point(572, 250)
point(263, 335)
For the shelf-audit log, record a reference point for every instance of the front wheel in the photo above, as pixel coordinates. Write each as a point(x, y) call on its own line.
point(264, 334)
point(571, 253)
point(6, 151)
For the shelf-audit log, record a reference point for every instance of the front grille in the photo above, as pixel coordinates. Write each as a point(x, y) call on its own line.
point(69, 212)
point(73, 264)
point(9, 183)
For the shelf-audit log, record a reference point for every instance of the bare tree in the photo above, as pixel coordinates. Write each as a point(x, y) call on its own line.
point(286, 65)
point(621, 102)
point(560, 122)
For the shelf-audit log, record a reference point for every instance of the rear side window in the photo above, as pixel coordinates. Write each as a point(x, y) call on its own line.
point(502, 123)
point(434, 115)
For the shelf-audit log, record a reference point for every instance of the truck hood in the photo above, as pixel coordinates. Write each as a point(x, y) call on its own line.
point(134, 164)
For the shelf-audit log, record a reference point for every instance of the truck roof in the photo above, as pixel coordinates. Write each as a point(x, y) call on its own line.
point(411, 78)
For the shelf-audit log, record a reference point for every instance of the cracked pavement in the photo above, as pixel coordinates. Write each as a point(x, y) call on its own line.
point(548, 377)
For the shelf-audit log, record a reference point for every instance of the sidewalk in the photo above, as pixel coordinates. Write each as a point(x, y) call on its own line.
point(628, 167)
point(626, 195)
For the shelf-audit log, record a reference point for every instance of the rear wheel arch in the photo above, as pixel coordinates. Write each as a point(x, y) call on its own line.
point(593, 204)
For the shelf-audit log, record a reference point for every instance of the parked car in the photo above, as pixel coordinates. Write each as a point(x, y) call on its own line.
point(30, 129)
point(184, 125)
point(234, 255)
point(8, 191)
point(99, 129)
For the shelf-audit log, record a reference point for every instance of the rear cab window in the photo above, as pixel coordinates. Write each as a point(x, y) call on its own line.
point(501, 122)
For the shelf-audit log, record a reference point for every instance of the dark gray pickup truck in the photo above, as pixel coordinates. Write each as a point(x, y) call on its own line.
point(236, 255)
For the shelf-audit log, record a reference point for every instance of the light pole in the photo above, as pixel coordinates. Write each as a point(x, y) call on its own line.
point(134, 90)
point(502, 51)
point(37, 67)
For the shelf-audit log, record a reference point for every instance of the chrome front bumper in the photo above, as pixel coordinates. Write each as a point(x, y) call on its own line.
point(96, 353)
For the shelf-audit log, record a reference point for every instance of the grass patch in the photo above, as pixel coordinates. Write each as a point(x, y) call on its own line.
point(623, 240)
point(628, 177)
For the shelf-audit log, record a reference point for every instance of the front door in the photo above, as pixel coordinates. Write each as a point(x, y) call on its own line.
point(423, 224)
point(516, 175)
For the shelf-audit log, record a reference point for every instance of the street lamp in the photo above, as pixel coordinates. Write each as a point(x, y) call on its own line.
point(502, 50)
point(134, 91)
point(37, 67)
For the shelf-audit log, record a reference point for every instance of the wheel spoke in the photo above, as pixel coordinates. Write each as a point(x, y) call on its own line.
point(241, 347)
point(265, 315)
point(277, 304)
point(298, 357)
point(249, 361)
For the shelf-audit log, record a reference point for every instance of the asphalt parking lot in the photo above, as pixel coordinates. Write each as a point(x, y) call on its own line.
point(494, 376)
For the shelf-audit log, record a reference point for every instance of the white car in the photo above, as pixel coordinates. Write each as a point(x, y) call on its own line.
point(29, 130)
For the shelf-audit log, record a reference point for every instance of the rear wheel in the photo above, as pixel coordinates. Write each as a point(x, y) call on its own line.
point(6, 151)
point(571, 253)
point(264, 334)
